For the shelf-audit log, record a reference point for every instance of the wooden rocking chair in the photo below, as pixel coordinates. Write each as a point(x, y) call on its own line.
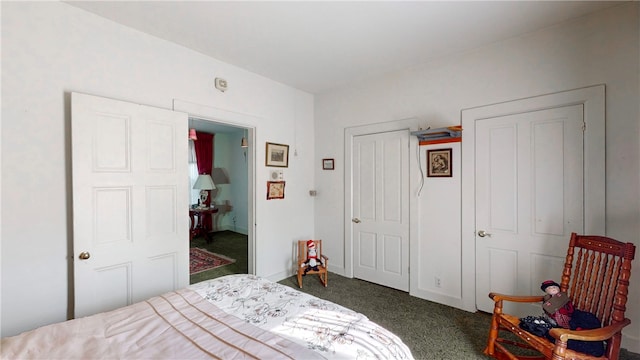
point(596, 278)
point(302, 257)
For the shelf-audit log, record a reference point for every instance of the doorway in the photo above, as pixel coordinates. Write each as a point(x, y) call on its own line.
point(364, 248)
point(225, 241)
point(380, 170)
point(213, 117)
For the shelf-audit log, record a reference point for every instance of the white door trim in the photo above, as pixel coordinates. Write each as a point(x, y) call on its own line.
point(240, 120)
point(593, 100)
point(414, 176)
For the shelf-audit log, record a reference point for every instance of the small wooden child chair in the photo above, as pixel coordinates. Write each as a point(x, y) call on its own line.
point(303, 255)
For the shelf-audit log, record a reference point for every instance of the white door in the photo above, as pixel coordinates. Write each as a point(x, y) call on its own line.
point(529, 198)
point(130, 201)
point(381, 208)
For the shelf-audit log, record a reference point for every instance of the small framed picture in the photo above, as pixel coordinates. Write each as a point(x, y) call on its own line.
point(327, 164)
point(275, 190)
point(277, 155)
point(439, 163)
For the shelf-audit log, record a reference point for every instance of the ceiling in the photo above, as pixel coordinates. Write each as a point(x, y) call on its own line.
point(317, 46)
point(212, 127)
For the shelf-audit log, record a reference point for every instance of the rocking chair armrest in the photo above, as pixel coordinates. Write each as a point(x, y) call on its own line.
point(516, 298)
point(324, 257)
point(600, 334)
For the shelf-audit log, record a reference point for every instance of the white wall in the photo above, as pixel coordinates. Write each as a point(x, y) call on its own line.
point(50, 49)
point(599, 49)
point(230, 157)
point(238, 177)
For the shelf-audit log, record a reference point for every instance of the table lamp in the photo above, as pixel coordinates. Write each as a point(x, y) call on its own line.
point(205, 183)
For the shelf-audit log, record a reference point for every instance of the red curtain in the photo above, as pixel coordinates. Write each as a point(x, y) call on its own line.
point(204, 157)
point(204, 152)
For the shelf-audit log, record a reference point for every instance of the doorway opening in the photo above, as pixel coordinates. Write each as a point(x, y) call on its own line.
point(207, 117)
point(226, 239)
point(353, 215)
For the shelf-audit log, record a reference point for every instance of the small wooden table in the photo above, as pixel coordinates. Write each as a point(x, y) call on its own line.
point(203, 226)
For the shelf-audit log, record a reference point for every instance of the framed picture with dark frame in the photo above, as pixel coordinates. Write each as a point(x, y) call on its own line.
point(277, 155)
point(439, 163)
point(327, 164)
point(275, 190)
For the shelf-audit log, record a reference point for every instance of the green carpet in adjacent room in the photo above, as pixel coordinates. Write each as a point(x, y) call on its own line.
point(229, 244)
point(430, 330)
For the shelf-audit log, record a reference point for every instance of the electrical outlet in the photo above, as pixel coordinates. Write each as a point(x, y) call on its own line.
point(437, 281)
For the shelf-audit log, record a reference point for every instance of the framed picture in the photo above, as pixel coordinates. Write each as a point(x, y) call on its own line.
point(439, 163)
point(327, 164)
point(275, 190)
point(277, 155)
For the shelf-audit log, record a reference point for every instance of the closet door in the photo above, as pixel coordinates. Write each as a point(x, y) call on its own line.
point(381, 208)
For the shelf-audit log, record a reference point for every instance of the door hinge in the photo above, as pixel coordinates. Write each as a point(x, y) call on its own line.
point(584, 126)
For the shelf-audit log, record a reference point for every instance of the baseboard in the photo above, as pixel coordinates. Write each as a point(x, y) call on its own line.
point(278, 276)
point(227, 227)
point(631, 343)
point(337, 270)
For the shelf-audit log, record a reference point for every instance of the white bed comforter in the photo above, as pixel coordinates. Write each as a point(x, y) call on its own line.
point(327, 328)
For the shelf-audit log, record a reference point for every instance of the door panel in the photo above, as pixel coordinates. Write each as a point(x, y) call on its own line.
point(529, 198)
point(130, 197)
point(380, 202)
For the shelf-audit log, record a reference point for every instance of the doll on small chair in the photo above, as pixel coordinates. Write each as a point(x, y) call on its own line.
point(312, 261)
point(556, 304)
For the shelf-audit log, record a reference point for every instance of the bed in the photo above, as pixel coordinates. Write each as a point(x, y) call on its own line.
point(232, 317)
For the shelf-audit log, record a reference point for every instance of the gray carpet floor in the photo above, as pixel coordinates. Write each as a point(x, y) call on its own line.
point(430, 330)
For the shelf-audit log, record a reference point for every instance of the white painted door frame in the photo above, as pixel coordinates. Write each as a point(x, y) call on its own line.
point(414, 184)
point(249, 122)
point(593, 100)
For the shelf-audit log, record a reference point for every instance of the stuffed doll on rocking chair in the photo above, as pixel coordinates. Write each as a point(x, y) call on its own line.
point(311, 260)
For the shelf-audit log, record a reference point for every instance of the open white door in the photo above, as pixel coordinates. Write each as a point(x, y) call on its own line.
point(381, 208)
point(130, 201)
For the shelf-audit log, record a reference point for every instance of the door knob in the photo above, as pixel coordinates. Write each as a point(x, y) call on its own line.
point(483, 233)
point(356, 220)
point(84, 255)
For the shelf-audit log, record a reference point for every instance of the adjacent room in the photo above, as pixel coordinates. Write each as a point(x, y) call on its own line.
point(382, 165)
point(218, 236)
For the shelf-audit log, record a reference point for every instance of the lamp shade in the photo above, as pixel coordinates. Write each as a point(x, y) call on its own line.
point(204, 182)
point(192, 134)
